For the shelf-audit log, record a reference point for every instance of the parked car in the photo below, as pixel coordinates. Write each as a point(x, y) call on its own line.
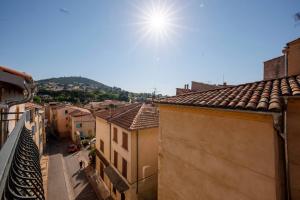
point(72, 148)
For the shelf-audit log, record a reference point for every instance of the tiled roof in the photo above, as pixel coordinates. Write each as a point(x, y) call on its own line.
point(257, 96)
point(30, 105)
point(139, 117)
point(147, 117)
point(125, 119)
point(78, 112)
point(132, 117)
point(107, 114)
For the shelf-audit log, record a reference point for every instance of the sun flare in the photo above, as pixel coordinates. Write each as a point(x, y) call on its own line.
point(157, 20)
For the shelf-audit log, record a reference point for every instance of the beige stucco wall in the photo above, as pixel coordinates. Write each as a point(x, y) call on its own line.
point(62, 121)
point(39, 135)
point(102, 132)
point(147, 163)
point(11, 117)
point(212, 154)
point(148, 151)
point(88, 126)
point(293, 145)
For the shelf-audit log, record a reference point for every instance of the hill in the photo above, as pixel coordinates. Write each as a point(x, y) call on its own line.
point(82, 90)
point(71, 83)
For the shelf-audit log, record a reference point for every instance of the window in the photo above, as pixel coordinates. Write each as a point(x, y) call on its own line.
point(122, 196)
point(125, 141)
point(102, 170)
point(102, 146)
point(115, 138)
point(116, 159)
point(124, 168)
point(78, 125)
point(66, 111)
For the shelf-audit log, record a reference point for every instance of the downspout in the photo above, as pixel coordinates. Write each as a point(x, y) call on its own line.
point(109, 152)
point(279, 122)
point(287, 175)
point(109, 142)
point(137, 161)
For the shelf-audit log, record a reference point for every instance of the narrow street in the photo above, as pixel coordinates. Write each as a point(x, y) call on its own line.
point(65, 179)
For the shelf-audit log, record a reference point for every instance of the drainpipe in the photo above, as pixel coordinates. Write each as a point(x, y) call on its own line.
point(280, 125)
point(109, 152)
point(137, 161)
point(287, 175)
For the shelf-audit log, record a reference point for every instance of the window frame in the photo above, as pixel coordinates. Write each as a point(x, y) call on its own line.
point(125, 145)
point(102, 146)
point(115, 135)
point(124, 165)
point(116, 159)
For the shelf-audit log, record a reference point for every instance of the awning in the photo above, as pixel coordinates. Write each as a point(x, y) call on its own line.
point(116, 179)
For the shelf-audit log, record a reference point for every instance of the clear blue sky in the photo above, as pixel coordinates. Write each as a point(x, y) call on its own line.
point(98, 39)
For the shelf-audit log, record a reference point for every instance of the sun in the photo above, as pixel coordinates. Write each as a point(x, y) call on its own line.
point(157, 20)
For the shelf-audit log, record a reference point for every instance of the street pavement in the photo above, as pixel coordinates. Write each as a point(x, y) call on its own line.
point(65, 179)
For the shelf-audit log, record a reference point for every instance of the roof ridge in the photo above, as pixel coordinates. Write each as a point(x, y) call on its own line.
point(126, 111)
point(199, 92)
point(259, 95)
point(136, 116)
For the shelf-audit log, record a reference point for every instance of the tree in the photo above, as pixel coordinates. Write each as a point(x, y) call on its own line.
point(37, 99)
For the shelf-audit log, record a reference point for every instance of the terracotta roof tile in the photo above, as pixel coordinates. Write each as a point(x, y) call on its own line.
point(258, 96)
point(107, 114)
point(139, 117)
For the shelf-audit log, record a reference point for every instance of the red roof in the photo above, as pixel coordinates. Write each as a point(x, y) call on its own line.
point(107, 114)
point(133, 117)
point(139, 117)
point(258, 96)
point(30, 105)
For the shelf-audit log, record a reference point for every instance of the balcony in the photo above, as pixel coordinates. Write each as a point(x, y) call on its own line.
point(20, 172)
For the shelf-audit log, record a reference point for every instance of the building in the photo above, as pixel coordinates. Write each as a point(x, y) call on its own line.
point(20, 172)
point(198, 86)
point(36, 123)
point(104, 105)
point(59, 119)
point(286, 64)
point(238, 142)
point(127, 151)
point(83, 124)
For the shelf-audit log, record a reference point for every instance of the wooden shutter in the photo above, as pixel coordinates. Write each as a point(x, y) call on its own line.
point(116, 159)
point(125, 141)
point(124, 168)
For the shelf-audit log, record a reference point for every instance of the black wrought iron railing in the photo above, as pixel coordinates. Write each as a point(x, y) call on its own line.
point(20, 172)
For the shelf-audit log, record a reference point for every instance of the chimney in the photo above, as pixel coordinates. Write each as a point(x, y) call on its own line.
point(187, 86)
point(292, 57)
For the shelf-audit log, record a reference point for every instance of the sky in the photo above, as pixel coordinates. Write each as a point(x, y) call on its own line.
point(110, 41)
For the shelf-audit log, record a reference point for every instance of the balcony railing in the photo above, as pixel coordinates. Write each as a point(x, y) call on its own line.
point(20, 172)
